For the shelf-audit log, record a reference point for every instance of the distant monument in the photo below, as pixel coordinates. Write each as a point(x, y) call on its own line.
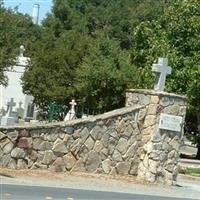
point(71, 114)
point(11, 117)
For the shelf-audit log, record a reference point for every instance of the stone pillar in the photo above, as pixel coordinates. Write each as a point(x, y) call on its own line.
point(160, 154)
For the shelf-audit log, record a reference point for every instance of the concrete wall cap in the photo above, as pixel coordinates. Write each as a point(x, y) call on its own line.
point(158, 93)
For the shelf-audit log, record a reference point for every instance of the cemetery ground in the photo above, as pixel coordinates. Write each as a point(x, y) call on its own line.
point(75, 186)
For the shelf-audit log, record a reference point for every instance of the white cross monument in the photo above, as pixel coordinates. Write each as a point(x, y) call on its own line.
point(9, 118)
point(162, 70)
point(71, 114)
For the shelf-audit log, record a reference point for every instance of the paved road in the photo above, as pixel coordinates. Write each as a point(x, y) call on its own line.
point(17, 192)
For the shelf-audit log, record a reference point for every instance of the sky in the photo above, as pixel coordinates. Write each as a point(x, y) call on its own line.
point(26, 6)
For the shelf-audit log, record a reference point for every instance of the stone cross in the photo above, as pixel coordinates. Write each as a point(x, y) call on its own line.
point(73, 104)
point(71, 114)
point(162, 70)
point(10, 105)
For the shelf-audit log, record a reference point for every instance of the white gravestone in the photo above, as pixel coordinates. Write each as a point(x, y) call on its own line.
point(9, 118)
point(162, 70)
point(71, 114)
point(171, 122)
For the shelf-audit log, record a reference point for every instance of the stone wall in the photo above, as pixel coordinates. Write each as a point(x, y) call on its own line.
point(160, 153)
point(110, 143)
point(126, 141)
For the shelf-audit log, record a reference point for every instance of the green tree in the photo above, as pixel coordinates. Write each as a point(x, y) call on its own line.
point(16, 29)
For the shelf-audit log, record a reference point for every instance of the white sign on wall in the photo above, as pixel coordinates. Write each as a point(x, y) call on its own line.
point(170, 122)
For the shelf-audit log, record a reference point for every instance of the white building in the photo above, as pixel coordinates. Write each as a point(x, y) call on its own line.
point(14, 88)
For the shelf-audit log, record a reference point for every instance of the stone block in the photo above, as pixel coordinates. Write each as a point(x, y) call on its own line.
point(22, 164)
point(98, 146)
point(155, 99)
point(117, 156)
point(8, 148)
point(25, 142)
point(69, 161)
point(48, 158)
point(152, 109)
point(149, 120)
point(122, 145)
point(93, 161)
point(2, 135)
point(107, 165)
point(123, 168)
point(18, 153)
point(89, 143)
point(58, 165)
point(12, 135)
point(59, 146)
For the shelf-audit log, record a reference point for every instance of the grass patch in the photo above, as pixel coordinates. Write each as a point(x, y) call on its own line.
point(191, 171)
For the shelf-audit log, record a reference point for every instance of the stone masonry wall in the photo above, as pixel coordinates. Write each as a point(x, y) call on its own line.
point(110, 143)
point(160, 153)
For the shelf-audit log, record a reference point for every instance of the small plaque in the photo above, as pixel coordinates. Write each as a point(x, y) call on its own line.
point(170, 122)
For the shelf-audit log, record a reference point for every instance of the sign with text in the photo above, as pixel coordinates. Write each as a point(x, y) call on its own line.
point(170, 122)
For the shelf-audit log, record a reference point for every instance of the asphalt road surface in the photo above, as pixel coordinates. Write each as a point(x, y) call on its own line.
point(20, 192)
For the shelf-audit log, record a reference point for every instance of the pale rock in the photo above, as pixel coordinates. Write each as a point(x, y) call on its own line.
point(97, 132)
point(154, 99)
point(2, 135)
point(33, 155)
point(89, 143)
point(144, 99)
point(8, 148)
point(12, 164)
point(123, 168)
point(93, 161)
point(122, 145)
point(18, 153)
point(149, 120)
point(152, 109)
point(134, 169)
point(113, 171)
point(131, 151)
point(39, 144)
point(121, 126)
point(98, 146)
point(5, 160)
point(76, 145)
point(117, 156)
point(69, 130)
point(164, 101)
point(21, 164)
point(12, 135)
point(113, 133)
point(153, 165)
point(174, 109)
point(105, 139)
point(142, 114)
point(79, 166)
point(4, 142)
point(182, 111)
point(106, 165)
point(59, 146)
point(128, 131)
point(84, 134)
point(69, 161)
point(48, 157)
point(58, 165)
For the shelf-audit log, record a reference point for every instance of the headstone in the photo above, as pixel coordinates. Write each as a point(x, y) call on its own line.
point(162, 70)
point(11, 117)
point(28, 108)
point(20, 110)
point(71, 114)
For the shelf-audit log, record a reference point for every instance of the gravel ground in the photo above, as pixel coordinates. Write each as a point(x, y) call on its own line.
point(188, 187)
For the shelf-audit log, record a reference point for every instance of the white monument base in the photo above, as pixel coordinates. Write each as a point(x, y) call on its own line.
point(8, 121)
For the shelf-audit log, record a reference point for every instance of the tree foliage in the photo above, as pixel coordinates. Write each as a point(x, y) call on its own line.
point(15, 30)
